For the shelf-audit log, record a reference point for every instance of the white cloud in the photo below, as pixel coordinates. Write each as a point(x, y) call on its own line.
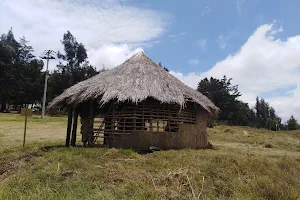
point(193, 61)
point(97, 24)
point(201, 44)
point(190, 79)
point(223, 41)
point(183, 33)
point(172, 36)
point(239, 5)
point(175, 36)
point(263, 64)
point(110, 55)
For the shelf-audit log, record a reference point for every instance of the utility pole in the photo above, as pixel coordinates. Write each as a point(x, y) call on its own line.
point(46, 55)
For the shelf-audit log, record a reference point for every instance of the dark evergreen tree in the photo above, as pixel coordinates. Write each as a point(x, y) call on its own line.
point(59, 79)
point(21, 76)
point(221, 92)
point(30, 77)
point(75, 70)
point(225, 96)
point(292, 123)
point(266, 116)
point(8, 51)
point(75, 54)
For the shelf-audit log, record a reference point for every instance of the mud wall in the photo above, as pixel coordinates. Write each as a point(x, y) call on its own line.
point(188, 136)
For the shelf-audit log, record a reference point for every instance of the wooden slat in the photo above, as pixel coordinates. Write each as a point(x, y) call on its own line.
point(147, 115)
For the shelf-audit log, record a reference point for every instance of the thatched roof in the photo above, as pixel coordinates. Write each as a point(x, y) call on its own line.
point(134, 80)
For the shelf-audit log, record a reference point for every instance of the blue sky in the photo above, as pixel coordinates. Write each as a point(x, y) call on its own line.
point(255, 42)
point(207, 20)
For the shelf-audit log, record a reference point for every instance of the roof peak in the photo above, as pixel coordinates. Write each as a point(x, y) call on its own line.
point(138, 54)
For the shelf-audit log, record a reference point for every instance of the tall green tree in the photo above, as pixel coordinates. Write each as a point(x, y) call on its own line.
point(292, 123)
point(8, 51)
point(241, 114)
point(74, 53)
point(225, 96)
point(20, 80)
point(221, 92)
point(76, 68)
point(266, 116)
point(59, 79)
point(30, 76)
point(6, 73)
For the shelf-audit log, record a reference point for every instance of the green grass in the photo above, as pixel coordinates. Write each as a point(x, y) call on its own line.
point(240, 166)
point(49, 131)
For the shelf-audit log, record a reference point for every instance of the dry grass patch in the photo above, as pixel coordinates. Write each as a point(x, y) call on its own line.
point(240, 167)
point(184, 174)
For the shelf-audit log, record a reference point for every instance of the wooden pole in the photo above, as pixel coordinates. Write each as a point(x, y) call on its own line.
point(69, 126)
point(74, 129)
point(25, 127)
point(151, 121)
point(91, 117)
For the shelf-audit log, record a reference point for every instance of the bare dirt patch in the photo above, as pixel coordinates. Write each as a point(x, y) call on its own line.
point(8, 166)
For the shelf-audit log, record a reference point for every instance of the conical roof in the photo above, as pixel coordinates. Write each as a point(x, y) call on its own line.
point(134, 80)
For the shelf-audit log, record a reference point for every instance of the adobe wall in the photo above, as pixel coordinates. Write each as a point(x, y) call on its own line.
point(188, 136)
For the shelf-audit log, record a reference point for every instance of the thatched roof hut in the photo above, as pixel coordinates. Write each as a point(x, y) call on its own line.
point(137, 82)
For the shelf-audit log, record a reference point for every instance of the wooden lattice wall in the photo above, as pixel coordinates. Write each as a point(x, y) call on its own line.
point(149, 115)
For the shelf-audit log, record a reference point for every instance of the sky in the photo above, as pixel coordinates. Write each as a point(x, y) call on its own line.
point(257, 43)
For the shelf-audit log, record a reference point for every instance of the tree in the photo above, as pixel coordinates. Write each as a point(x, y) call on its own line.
point(221, 92)
point(21, 76)
point(30, 77)
point(225, 96)
point(75, 70)
point(59, 79)
point(266, 116)
point(8, 51)
point(292, 123)
point(75, 55)
point(241, 114)
point(6, 72)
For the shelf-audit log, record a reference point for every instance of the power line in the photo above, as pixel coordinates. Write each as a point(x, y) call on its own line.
point(48, 55)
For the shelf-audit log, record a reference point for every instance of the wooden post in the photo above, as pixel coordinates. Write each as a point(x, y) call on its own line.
point(74, 129)
point(134, 120)
point(69, 126)
point(143, 113)
point(169, 125)
point(25, 127)
point(201, 124)
point(151, 117)
point(91, 118)
point(112, 126)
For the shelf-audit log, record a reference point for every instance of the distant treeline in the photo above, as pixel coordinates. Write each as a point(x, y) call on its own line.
point(22, 83)
point(225, 96)
point(21, 75)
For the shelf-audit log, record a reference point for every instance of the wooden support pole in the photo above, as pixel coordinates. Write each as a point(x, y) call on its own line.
point(143, 114)
point(151, 117)
point(25, 127)
point(169, 118)
point(112, 126)
point(69, 127)
point(107, 137)
point(91, 118)
point(134, 120)
point(74, 129)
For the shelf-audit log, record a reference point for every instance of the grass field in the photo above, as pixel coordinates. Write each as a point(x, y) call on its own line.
point(245, 163)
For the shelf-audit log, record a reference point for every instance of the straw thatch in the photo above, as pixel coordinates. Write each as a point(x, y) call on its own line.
point(134, 80)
